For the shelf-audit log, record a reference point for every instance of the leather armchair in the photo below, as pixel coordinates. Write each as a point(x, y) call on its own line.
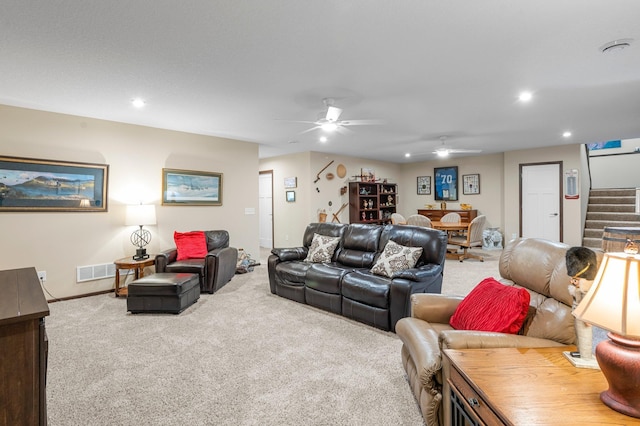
point(534, 264)
point(214, 271)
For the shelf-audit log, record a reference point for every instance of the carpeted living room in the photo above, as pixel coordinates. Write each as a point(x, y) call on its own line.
point(241, 356)
point(427, 196)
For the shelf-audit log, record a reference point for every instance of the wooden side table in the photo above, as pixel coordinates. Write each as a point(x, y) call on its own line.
point(128, 263)
point(525, 386)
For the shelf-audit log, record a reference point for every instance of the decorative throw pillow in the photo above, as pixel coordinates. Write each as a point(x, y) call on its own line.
point(492, 306)
point(321, 248)
point(190, 245)
point(395, 258)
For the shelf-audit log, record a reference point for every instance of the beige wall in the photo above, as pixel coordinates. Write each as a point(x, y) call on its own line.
point(59, 242)
point(291, 219)
point(498, 199)
point(489, 202)
point(572, 224)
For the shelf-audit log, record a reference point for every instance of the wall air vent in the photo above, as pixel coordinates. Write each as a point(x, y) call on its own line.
point(95, 272)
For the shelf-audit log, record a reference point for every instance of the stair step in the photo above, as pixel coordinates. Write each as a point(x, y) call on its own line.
point(619, 192)
point(613, 216)
point(593, 233)
point(622, 208)
point(600, 224)
point(592, 242)
point(612, 200)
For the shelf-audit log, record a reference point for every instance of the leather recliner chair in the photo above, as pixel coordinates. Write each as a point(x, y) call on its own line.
point(537, 265)
point(214, 271)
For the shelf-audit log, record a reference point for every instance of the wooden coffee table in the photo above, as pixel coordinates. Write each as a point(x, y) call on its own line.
point(128, 263)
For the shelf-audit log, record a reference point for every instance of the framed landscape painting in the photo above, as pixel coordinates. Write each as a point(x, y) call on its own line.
point(191, 188)
point(36, 185)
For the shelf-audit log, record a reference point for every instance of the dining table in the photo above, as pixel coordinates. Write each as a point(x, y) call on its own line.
point(449, 226)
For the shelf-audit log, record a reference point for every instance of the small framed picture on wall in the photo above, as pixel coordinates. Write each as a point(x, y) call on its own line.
point(471, 184)
point(424, 185)
point(291, 196)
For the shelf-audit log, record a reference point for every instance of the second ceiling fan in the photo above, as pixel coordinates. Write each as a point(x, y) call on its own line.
point(444, 151)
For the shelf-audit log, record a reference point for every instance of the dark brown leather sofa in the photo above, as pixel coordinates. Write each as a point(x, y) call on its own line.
point(345, 285)
point(214, 270)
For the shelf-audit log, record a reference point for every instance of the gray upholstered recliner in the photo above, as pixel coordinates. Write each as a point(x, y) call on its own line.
point(214, 270)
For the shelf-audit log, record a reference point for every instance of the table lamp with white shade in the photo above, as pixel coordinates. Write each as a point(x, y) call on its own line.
point(613, 303)
point(140, 215)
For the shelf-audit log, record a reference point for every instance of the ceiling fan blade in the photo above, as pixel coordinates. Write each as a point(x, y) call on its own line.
point(333, 113)
point(465, 151)
point(361, 122)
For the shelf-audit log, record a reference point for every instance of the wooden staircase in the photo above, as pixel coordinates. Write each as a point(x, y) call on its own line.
point(609, 207)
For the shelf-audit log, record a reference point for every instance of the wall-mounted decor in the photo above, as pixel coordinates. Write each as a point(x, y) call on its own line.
point(424, 185)
point(471, 184)
point(191, 188)
point(291, 196)
point(571, 184)
point(446, 182)
point(291, 182)
point(35, 185)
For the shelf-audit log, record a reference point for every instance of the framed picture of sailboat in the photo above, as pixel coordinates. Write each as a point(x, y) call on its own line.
point(191, 188)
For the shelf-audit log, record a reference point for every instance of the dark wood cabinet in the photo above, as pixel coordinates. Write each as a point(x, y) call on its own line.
point(371, 202)
point(23, 348)
point(466, 216)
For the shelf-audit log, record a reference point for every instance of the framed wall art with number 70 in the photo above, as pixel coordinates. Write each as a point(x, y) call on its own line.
point(446, 181)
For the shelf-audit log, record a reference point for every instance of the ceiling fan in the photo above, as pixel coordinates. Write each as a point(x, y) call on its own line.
point(329, 120)
point(444, 151)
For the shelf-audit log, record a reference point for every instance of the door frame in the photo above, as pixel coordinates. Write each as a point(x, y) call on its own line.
point(269, 172)
point(560, 201)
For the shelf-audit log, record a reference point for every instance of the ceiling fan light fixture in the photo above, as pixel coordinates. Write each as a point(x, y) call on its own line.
point(442, 153)
point(329, 127)
point(525, 96)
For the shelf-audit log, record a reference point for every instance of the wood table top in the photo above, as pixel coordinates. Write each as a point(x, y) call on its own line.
point(449, 226)
point(537, 386)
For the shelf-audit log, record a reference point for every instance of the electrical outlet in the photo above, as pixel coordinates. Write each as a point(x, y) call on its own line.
point(286, 237)
point(42, 275)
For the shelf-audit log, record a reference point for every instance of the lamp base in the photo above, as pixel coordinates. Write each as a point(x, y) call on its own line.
point(580, 362)
point(619, 360)
point(141, 254)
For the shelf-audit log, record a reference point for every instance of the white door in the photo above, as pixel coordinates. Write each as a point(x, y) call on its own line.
point(541, 207)
point(265, 195)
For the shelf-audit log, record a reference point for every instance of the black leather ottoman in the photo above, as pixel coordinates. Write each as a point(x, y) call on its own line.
point(163, 293)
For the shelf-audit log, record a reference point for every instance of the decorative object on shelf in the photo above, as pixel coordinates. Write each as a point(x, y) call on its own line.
point(424, 185)
point(364, 216)
point(429, 206)
point(191, 188)
point(471, 184)
point(365, 204)
point(140, 215)
point(329, 176)
point(341, 171)
point(446, 181)
point(491, 239)
point(464, 206)
point(35, 185)
point(343, 190)
point(291, 196)
point(443, 205)
point(291, 182)
point(322, 215)
point(612, 303)
point(390, 200)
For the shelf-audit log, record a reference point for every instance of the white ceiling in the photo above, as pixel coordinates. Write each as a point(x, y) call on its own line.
point(241, 68)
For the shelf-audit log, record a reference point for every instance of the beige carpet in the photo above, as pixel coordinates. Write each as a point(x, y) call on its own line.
point(240, 357)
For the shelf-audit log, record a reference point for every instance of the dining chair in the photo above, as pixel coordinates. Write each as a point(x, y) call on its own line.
point(398, 219)
point(473, 238)
point(451, 218)
point(419, 220)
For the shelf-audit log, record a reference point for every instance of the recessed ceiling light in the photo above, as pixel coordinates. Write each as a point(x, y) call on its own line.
point(138, 103)
point(566, 134)
point(525, 96)
point(616, 45)
point(407, 155)
point(323, 139)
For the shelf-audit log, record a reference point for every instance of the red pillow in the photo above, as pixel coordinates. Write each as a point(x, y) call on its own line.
point(492, 306)
point(191, 245)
